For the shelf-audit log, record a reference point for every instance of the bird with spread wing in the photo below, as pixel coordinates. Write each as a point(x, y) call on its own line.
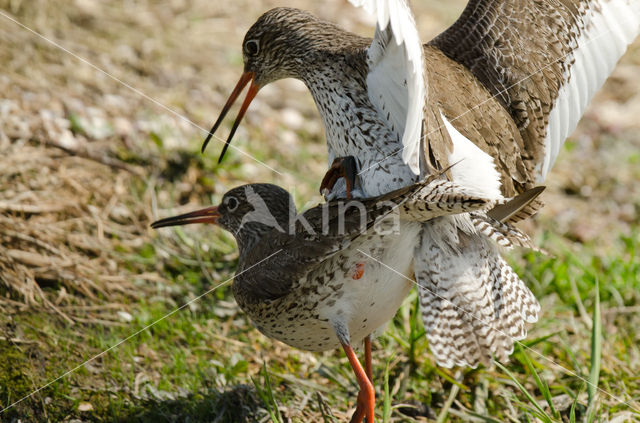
point(497, 93)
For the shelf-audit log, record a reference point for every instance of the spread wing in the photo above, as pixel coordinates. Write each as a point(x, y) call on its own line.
point(395, 81)
point(543, 60)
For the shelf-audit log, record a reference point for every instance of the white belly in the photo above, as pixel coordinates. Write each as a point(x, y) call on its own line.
point(371, 300)
point(335, 294)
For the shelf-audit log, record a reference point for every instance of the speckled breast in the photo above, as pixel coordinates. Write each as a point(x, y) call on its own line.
point(359, 288)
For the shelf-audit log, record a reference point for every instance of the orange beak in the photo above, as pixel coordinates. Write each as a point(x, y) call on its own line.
point(208, 215)
point(251, 93)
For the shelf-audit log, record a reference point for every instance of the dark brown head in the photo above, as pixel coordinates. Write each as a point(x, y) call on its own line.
point(248, 212)
point(283, 43)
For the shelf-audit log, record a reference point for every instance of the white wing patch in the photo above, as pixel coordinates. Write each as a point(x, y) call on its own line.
point(472, 168)
point(610, 26)
point(395, 81)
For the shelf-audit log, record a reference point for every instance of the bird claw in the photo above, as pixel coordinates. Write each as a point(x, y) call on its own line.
point(364, 407)
point(367, 394)
point(342, 167)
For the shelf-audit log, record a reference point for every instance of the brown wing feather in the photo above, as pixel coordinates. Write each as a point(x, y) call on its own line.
point(472, 110)
point(323, 231)
point(292, 255)
point(520, 51)
point(519, 208)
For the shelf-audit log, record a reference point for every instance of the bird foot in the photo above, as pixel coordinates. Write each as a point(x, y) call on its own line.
point(367, 395)
point(342, 167)
point(365, 406)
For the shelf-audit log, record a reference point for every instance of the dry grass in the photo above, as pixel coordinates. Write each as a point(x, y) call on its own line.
point(61, 224)
point(66, 210)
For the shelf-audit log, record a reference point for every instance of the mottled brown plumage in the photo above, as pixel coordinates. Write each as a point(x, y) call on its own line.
point(529, 53)
point(495, 74)
point(495, 133)
point(306, 280)
point(498, 93)
point(520, 51)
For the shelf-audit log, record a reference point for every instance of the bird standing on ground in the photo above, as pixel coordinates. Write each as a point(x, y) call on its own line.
point(301, 280)
point(500, 90)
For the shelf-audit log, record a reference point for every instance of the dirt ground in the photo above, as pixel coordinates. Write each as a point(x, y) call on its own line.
point(104, 104)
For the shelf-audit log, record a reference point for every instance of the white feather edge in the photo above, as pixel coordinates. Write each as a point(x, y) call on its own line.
point(472, 168)
point(384, 77)
point(608, 33)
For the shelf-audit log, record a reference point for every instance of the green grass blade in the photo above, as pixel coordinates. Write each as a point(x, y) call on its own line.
point(414, 330)
point(446, 376)
point(596, 356)
point(541, 383)
point(266, 395)
point(572, 413)
point(543, 415)
point(386, 407)
point(442, 417)
point(535, 341)
point(596, 349)
point(577, 368)
point(400, 340)
point(530, 411)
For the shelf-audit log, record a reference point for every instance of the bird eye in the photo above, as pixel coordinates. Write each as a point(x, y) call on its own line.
point(231, 203)
point(252, 47)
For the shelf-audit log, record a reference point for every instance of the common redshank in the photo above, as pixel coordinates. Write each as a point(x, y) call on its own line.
point(512, 77)
point(306, 279)
point(501, 88)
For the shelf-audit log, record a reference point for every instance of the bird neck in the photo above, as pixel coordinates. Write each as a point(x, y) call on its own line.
point(339, 89)
point(247, 238)
point(319, 43)
point(260, 233)
point(319, 63)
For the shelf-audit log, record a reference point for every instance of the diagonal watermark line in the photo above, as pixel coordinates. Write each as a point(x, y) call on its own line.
point(135, 90)
point(499, 93)
point(567, 371)
point(122, 341)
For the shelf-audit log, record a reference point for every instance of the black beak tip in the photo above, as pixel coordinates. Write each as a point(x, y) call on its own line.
point(205, 143)
point(225, 148)
point(162, 223)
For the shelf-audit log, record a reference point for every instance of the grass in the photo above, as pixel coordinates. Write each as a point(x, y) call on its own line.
point(265, 392)
point(596, 357)
point(533, 405)
point(205, 362)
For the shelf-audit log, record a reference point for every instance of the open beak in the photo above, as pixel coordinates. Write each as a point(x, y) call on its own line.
point(251, 93)
point(208, 215)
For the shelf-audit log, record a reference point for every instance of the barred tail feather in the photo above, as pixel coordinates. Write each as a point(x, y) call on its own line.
point(439, 198)
point(503, 234)
point(474, 306)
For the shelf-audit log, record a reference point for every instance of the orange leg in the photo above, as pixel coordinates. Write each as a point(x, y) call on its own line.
point(367, 395)
point(367, 357)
